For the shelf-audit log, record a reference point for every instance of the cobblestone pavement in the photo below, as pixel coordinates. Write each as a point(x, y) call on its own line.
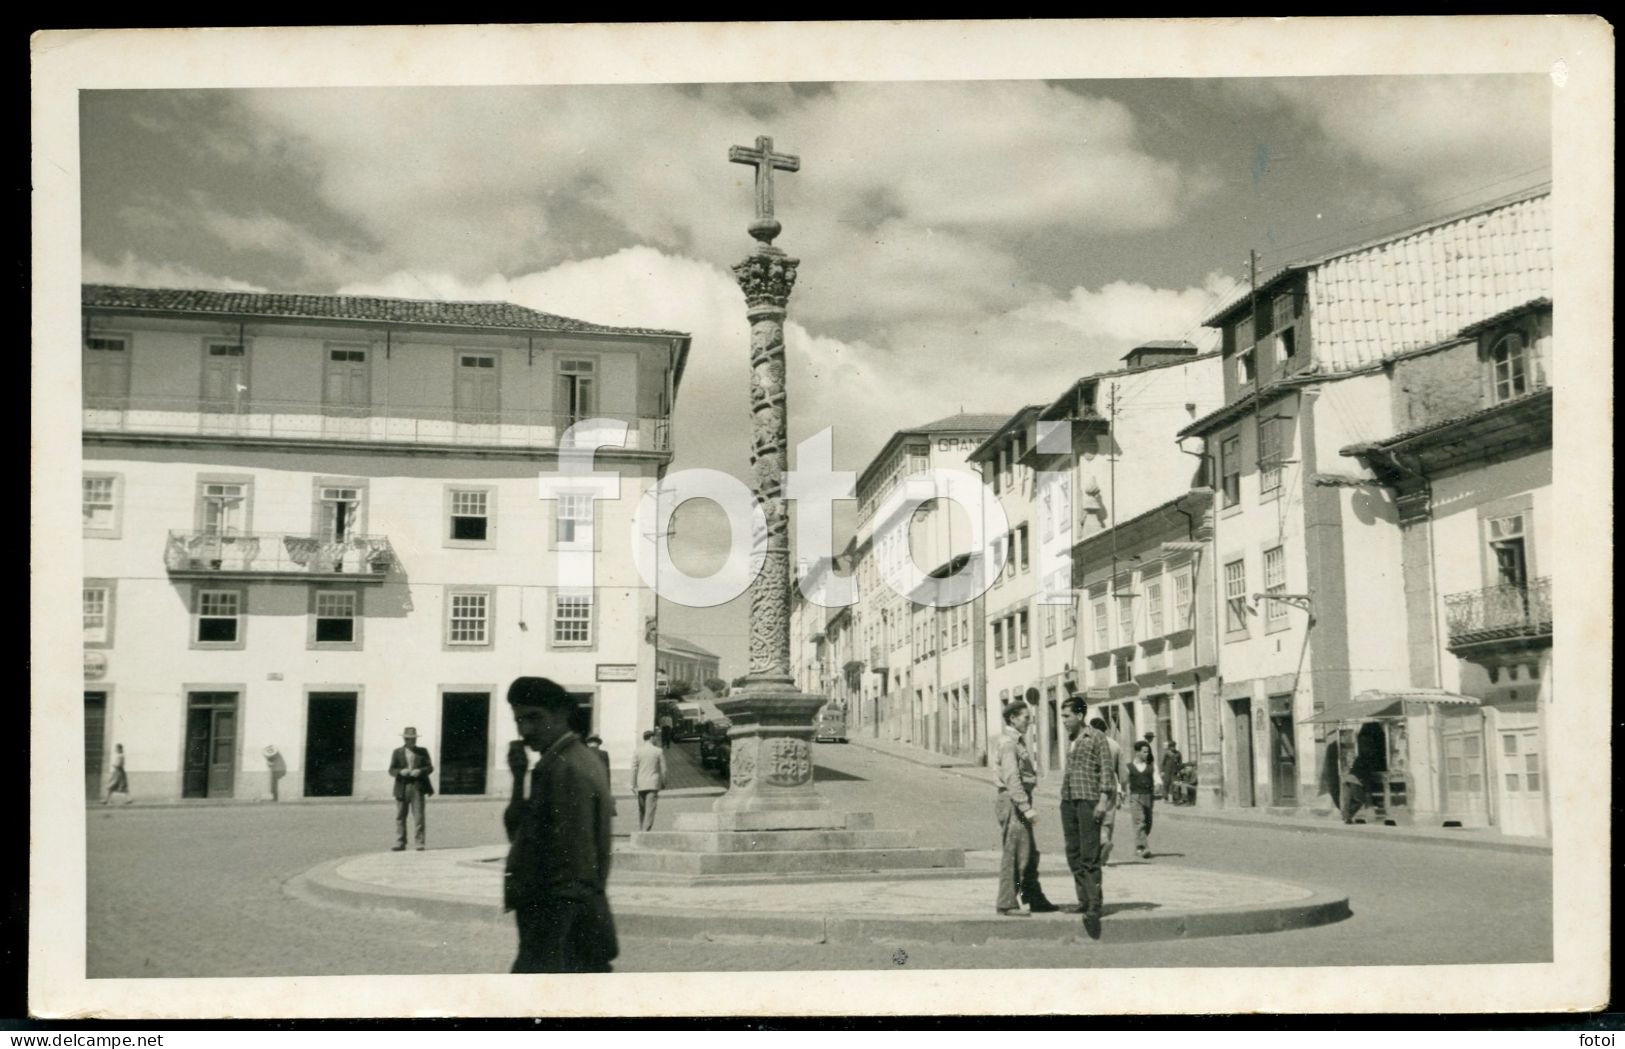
point(198, 892)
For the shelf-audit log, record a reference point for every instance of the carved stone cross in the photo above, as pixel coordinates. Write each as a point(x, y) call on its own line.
point(766, 227)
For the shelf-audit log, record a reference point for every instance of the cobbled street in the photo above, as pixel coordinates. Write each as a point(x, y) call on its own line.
point(199, 891)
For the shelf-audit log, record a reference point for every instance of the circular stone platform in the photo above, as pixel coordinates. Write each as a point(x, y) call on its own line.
point(1144, 901)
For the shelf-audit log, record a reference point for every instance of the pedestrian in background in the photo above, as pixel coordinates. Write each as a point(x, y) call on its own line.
point(648, 778)
point(665, 724)
point(558, 862)
point(1119, 769)
point(1016, 776)
point(1142, 786)
point(1088, 797)
point(1172, 762)
point(596, 745)
point(410, 766)
point(117, 781)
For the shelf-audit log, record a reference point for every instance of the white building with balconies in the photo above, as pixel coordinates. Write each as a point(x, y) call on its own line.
point(313, 521)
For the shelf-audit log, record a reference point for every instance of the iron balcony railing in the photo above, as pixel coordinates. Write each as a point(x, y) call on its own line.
point(388, 423)
point(277, 553)
point(1500, 613)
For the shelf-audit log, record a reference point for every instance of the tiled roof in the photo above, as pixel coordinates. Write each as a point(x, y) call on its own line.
point(347, 308)
point(1528, 400)
point(1418, 290)
point(962, 422)
point(1490, 322)
point(683, 647)
point(1422, 286)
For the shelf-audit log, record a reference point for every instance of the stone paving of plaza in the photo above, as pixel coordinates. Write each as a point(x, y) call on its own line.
point(200, 891)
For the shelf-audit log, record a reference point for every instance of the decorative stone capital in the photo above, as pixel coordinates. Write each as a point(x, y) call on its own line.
point(766, 278)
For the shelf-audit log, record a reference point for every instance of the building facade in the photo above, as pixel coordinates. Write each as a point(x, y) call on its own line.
point(313, 521)
point(679, 659)
point(1311, 591)
point(1471, 473)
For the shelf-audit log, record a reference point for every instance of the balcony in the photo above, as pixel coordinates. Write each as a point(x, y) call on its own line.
point(361, 558)
point(373, 424)
point(1512, 616)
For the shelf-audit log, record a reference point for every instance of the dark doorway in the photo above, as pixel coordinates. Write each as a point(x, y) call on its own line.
point(581, 721)
point(1283, 754)
point(465, 740)
point(211, 745)
point(1243, 709)
point(95, 741)
point(330, 745)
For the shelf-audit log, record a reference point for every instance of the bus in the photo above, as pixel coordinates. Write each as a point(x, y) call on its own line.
point(831, 724)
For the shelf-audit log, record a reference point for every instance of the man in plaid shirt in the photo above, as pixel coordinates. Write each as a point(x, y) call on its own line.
point(1088, 799)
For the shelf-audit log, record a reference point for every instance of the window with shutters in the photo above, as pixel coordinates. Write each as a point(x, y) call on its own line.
point(106, 370)
point(1235, 597)
point(1275, 612)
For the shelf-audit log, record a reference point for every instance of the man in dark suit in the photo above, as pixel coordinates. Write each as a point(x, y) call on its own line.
point(410, 766)
point(558, 861)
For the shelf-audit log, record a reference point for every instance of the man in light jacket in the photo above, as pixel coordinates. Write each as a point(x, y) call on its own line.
point(648, 778)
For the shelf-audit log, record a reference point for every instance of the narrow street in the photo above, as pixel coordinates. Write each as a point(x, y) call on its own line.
point(198, 892)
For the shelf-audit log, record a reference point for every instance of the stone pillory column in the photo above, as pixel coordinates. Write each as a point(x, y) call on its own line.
point(771, 767)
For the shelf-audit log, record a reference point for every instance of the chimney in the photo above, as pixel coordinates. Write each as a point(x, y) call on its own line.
point(1150, 354)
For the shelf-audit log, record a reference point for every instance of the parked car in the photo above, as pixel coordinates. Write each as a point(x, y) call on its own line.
point(831, 724)
point(716, 749)
point(688, 721)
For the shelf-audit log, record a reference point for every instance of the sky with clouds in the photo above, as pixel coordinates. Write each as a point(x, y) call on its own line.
point(972, 245)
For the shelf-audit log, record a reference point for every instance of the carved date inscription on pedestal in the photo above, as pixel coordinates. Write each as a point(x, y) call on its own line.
point(786, 762)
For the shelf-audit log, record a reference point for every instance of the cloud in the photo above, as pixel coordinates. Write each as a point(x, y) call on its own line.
point(1444, 135)
point(472, 181)
point(144, 273)
point(1130, 313)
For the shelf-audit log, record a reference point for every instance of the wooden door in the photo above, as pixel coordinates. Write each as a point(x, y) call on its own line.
point(1283, 760)
point(477, 393)
point(346, 381)
point(211, 745)
point(330, 723)
point(225, 377)
point(1521, 781)
point(95, 742)
point(465, 741)
point(1243, 710)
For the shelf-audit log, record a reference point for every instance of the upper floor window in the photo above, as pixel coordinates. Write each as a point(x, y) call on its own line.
point(574, 518)
point(1509, 550)
point(1153, 608)
point(1103, 628)
point(99, 503)
point(1182, 599)
point(1021, 628)
point(224, 507)
point(1235, 596)
point(225, 376)
point(1021, 546)
point(572, 617)
point(1269, 455)
point(998, 642)
point(468, 617)
point(346, 380)
point(1230, 471)
point(578, 388)
point(217, 617)
point(478, 393)
point(1071, 626)
point(1514, 370)
point(470, 515)
point(334, 615)
point(106, 361)
point(1125, 617)
point(98, 609)
point(1247, 365)
point(1275, 583)
point(338, 511)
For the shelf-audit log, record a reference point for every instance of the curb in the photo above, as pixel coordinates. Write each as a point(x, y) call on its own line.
point(1539, 847)
point(324, 886)
point(439, 799)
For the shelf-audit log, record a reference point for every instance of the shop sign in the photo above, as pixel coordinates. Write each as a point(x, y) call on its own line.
point(617, 672)
point(95, 666)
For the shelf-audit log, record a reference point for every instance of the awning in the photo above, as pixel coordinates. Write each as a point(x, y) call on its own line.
point(1387, 703)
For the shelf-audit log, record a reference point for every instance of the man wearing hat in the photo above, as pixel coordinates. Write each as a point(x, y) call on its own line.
point(558, 861)
point(410, 767)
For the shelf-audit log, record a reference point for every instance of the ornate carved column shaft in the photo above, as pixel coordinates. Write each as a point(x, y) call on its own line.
point(767, 277)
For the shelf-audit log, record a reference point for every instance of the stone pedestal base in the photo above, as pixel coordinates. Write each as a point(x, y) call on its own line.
point(772, 821)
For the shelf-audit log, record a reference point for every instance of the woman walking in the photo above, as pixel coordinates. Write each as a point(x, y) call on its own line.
point(1142, 786)
point(117, 782)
